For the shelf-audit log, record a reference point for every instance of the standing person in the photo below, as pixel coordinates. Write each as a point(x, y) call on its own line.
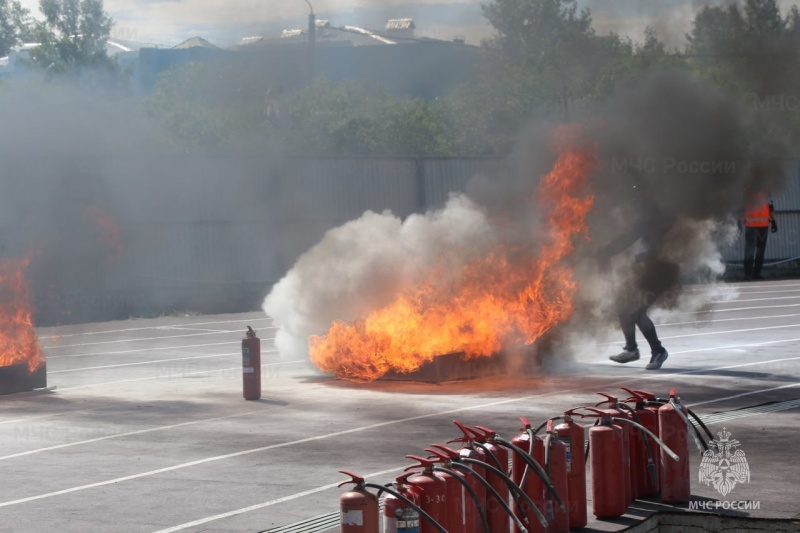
point(652, 276)
point(757, 219)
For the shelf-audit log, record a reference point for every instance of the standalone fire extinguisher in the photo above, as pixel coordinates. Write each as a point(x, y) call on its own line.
point(359, 507)
point(251, 365)
point(399, 516)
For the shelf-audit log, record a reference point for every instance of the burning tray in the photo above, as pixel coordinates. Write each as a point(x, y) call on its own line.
point(15, 378)
point(451, 367)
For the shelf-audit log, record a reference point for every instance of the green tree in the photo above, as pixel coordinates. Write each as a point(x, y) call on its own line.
point(14, 25)
point(72, 36)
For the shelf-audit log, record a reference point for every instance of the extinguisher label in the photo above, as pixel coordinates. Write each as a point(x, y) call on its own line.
point(248, 370)
point(568, 445)
point(353, 518)
point(407, 520)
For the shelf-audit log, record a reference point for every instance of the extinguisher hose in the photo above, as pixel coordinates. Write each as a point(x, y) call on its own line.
point(651, 466)
point(662, 401)
point(701, 445)
point(500, 471)
point(514, 489)
point(399, 495)
point(544, 424)
point(491, 489)
point(536, 468)
point(651, 434)
point(531, 437)
point(470, 490)
point(489, 454)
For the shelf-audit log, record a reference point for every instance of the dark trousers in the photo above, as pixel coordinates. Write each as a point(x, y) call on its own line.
point(629, 320)
point(755, 244)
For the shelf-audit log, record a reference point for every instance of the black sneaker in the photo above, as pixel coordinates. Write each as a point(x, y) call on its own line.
point(657, 359)
point(626, 356)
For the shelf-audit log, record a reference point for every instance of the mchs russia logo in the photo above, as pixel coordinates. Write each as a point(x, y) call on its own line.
point(723, 467)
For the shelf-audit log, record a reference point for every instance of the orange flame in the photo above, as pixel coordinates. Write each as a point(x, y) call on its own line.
point(18, 341)
point(511, 297)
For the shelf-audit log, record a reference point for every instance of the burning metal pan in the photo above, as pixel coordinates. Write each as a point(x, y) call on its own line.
point(451, 367)
point(16, 378)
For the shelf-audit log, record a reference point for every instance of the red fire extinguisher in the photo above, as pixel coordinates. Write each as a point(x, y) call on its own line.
point(644, 449)
point(469, 450)
point(526, 479)
point(573, 437)
point(359, 507)
point(497, 457)
point(399, 516)
point(432, 493)
point(615, 412)
point(673, 426)
point(251, 365)
point(465, 516)
point(555, 464)
point(607, 463)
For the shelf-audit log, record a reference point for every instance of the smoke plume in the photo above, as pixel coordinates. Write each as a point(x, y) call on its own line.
point(676, 163)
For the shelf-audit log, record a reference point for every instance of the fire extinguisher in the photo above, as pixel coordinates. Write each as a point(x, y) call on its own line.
point(398, 516)
point(432, 493)
point(643, 447)
point(464, 509)
point(527, 477)
point(607, 462)
point(251, 365)
point(616, 412)
point(359, 507)
point(573, 437)
point(496, 457)
point(462, 463)
point(469, 450)
point(673, 424)
point(555, 464)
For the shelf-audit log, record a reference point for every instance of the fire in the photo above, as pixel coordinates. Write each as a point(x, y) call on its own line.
point(509, 298)
point(18, 341)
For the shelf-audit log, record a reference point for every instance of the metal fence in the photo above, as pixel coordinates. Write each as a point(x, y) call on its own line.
point(213, 234)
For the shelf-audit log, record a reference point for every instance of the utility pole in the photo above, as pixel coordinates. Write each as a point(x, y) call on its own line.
point(312, 43)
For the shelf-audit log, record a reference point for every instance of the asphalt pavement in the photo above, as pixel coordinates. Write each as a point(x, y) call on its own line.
point(147, 430)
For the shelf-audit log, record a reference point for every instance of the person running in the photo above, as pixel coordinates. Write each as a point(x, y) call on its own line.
point(652, 276)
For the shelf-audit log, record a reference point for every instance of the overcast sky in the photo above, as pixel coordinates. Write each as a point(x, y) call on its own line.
point(226, 21)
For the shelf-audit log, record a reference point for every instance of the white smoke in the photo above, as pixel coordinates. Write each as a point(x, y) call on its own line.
point(362, 265)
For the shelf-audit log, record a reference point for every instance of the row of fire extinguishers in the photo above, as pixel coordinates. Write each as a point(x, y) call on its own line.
point(537, 483)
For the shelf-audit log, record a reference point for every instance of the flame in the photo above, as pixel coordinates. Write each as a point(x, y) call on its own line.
point(509, 298)
point(106, 230)
point(18, 340)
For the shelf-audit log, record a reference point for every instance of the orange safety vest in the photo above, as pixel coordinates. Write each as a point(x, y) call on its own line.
point(757, 216)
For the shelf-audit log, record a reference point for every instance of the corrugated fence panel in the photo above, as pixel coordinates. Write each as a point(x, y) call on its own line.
point(446, 176)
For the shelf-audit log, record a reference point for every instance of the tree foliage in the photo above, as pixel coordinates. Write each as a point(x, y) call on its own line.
point(72, 36)
point(14, 25)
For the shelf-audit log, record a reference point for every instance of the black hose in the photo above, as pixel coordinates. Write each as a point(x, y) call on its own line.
point(702, 425)
point(500, 471)
point(651, 466)
point(489, 453)
point(544, 424)
point(419, 509)
point(492, 489)
point(471, 493)
point(700, 438)
point(536, 467)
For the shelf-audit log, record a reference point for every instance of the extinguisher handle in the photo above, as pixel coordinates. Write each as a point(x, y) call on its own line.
point(355, 479)
point(469, 433)
point(635, 396)
point(609, 399)
point(525, 423)
point(487, 433)
point(451, 454)
point(250, 332)
point(438, 454)
point(423, 462)
point(597, 413)
point(644, 394)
